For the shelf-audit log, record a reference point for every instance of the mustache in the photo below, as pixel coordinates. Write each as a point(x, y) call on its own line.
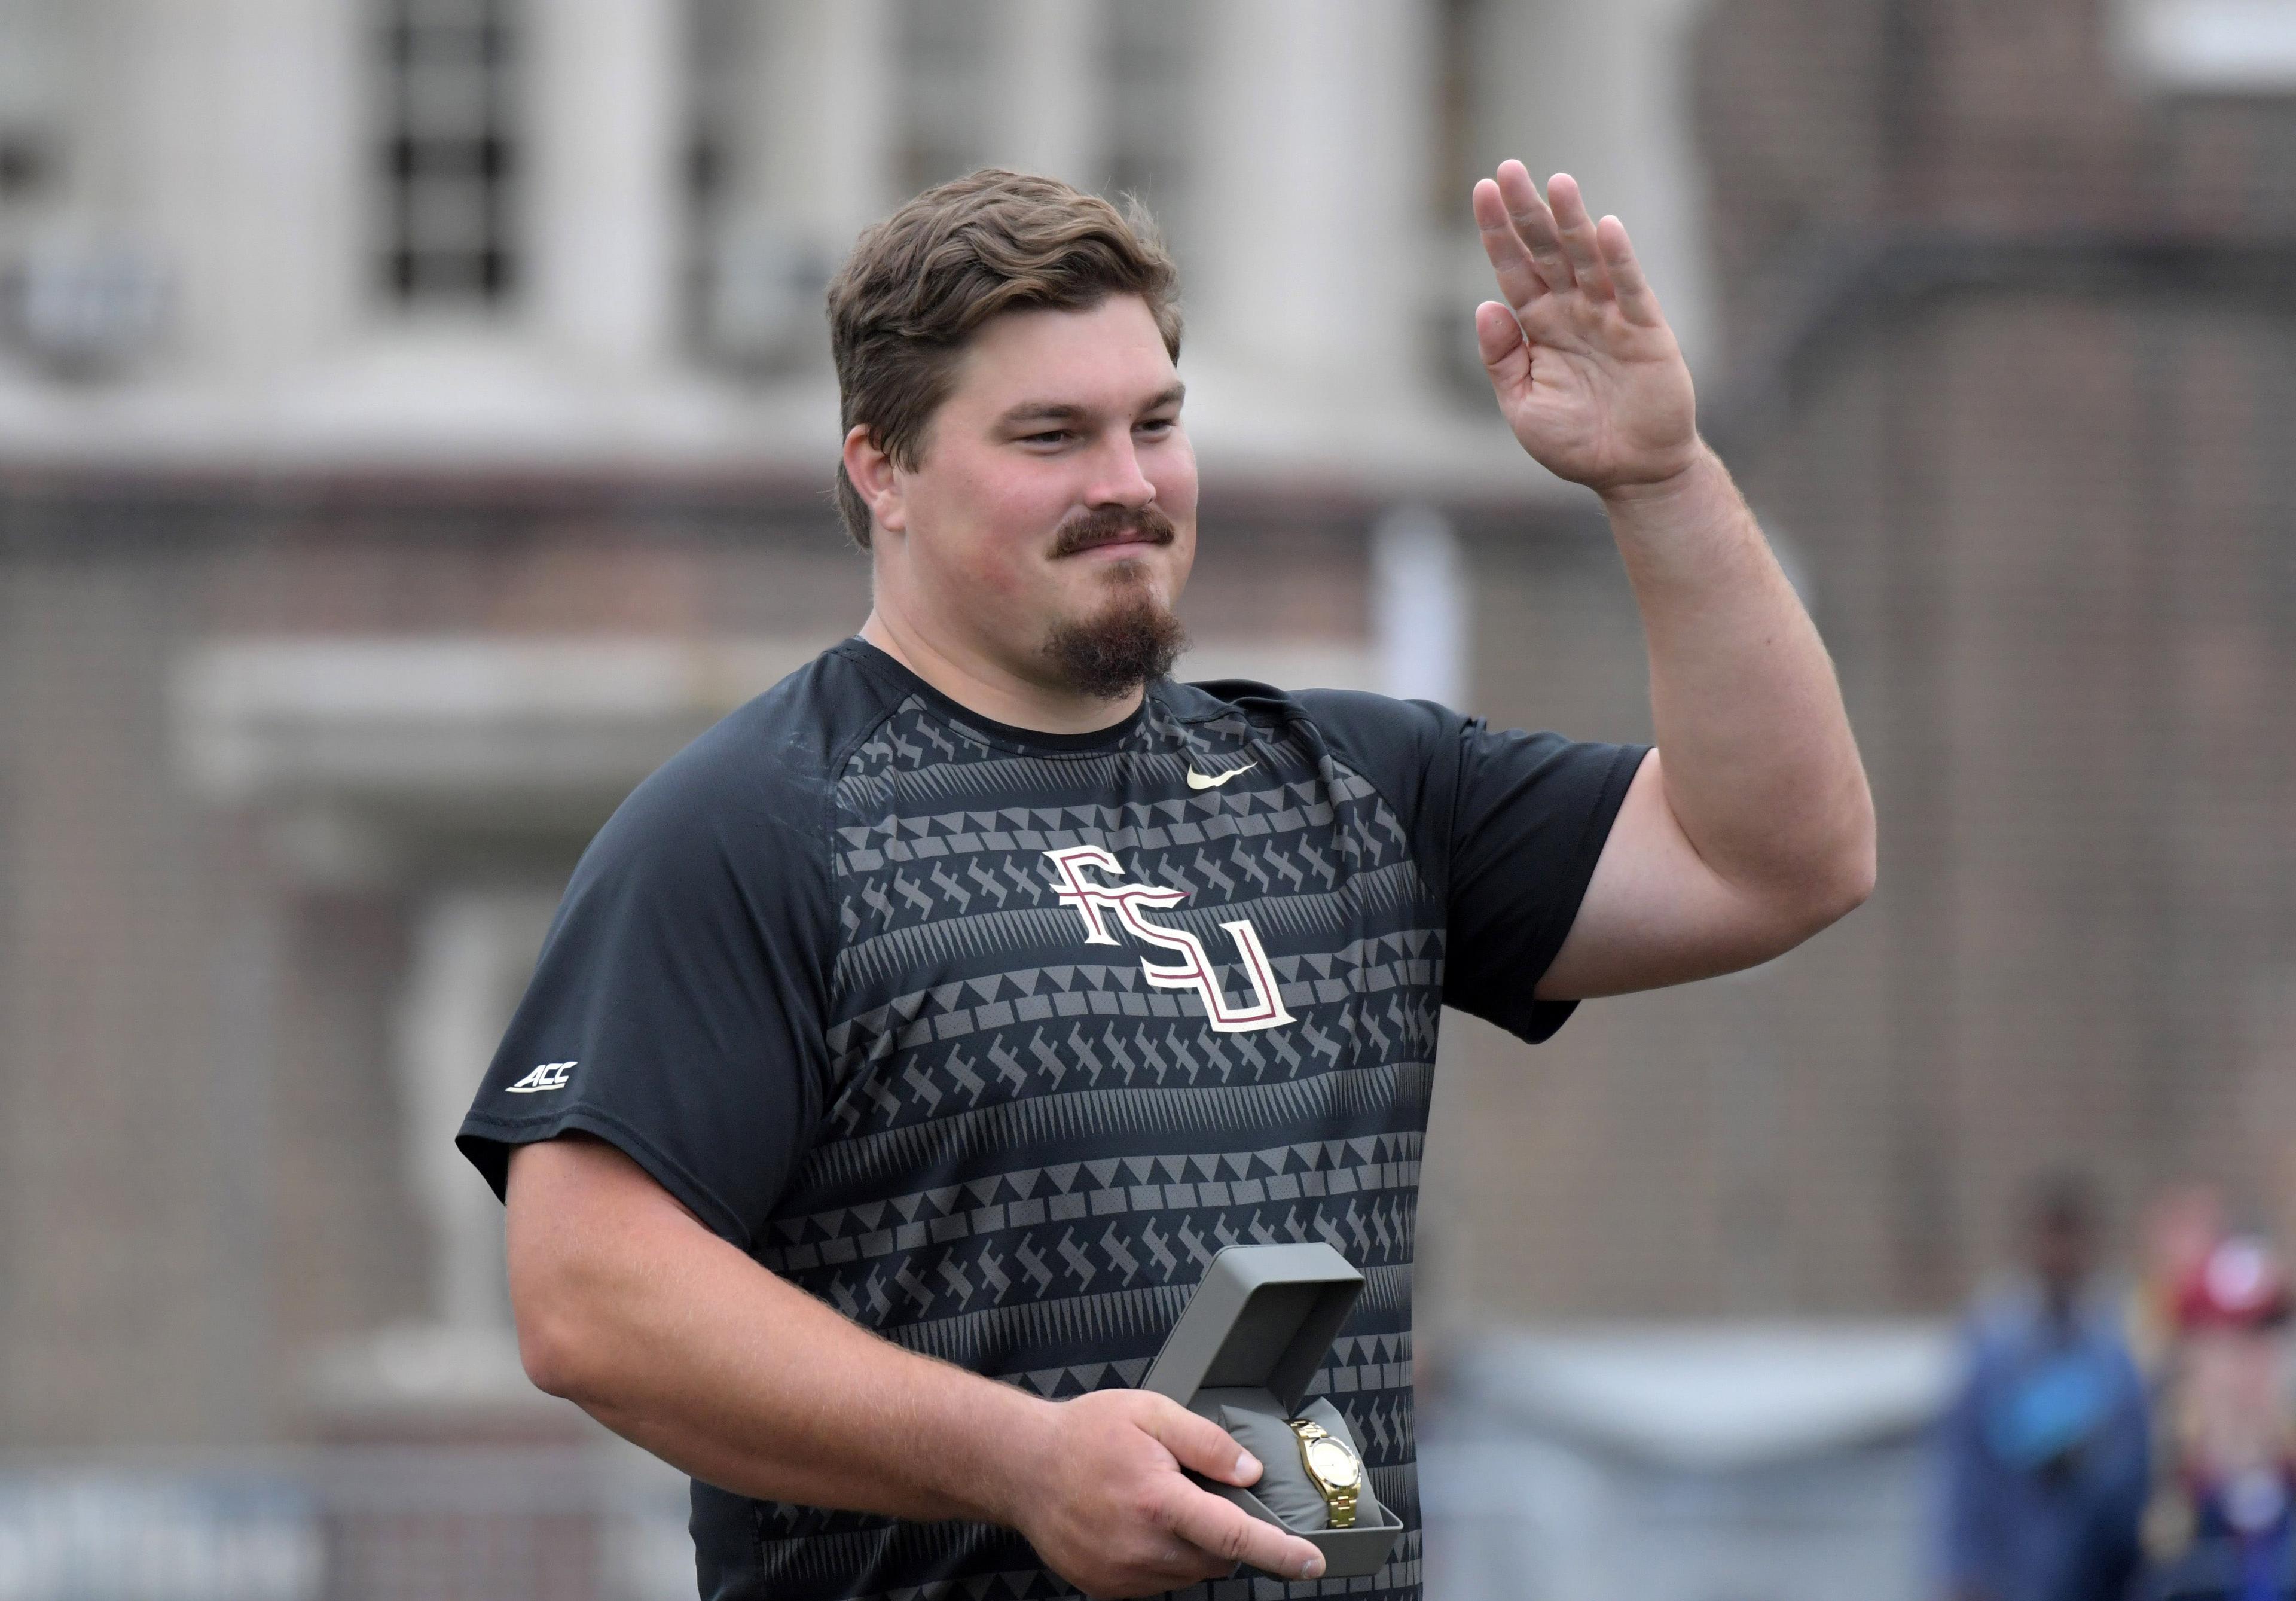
point(1109, 525)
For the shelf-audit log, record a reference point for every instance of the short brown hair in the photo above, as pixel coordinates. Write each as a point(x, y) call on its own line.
point(919, 283)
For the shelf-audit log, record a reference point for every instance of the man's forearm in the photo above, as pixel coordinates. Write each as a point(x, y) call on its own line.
point(678, 1341)
point(1759, 764)
point(738, 1377)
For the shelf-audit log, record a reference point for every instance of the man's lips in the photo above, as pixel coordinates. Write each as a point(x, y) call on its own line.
point(1140, 541)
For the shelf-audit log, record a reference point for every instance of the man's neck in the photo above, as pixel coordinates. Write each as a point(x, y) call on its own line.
point(997, 694)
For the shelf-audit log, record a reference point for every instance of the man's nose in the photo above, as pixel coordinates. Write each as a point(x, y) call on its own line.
point(1119, 480)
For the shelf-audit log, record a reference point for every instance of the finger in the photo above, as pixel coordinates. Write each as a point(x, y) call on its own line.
point(1634, 290)
point(1530, 218)
point(1231, 1534)
point(1578, 232)
point(1182, 1563)
point(1200, 1443)
point(1518, 275)
point(1175, 1566)
point(1497, 335)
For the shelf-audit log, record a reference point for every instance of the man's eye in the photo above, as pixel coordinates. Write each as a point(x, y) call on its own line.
point(1158, 424)
point(1051, 436)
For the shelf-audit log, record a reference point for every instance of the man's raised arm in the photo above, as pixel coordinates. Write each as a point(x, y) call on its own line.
point(676, 1341)
point(1751, 826)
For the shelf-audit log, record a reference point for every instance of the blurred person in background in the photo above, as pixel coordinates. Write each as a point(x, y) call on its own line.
point(2046, 1448)
point(2178, 1229)
point(2222, 1528)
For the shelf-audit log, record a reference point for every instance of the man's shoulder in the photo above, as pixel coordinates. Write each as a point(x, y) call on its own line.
point(761, 775)
point(1395, 744)
point(1358, 718)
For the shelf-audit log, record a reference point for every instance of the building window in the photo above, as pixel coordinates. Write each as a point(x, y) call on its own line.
point(1463, 152)
point(36, 79)
point(755, 271)
point(721, 72)
point(1460, 41)
point(722, 59)
point(947, 75)
point(449, 153)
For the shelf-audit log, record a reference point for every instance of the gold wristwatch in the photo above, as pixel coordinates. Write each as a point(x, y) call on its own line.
point(1334, 1468)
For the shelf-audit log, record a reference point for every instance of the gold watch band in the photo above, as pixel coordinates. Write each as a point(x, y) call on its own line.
point(1339, 1499)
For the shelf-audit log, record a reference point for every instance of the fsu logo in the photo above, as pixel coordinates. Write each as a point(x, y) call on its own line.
point(1095, 901)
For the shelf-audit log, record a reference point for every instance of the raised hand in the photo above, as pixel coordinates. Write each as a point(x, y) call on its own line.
point(1587, 371)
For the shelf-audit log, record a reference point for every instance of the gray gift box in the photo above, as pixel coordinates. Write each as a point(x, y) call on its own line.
point(1251, 1337)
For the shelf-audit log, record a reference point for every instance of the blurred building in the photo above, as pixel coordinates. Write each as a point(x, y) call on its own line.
point(415, 422)
point(2012, 302)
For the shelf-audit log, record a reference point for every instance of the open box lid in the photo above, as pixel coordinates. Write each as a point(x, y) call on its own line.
point(1263, 1319)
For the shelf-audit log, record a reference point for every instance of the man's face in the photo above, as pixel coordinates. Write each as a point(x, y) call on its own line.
point(1051, 521)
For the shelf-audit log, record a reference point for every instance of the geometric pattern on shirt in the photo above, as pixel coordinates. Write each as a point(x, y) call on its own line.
point(1114, 1038)
point(1408, 958)
point(863, 1160)
point(953, 1544)
point(995, 1340)
point(1074, 1227)
point(1067, 1191)
point(1082, 1259)
point(1029, 1151)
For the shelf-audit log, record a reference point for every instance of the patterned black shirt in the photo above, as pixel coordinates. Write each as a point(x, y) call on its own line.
point(989, 1039)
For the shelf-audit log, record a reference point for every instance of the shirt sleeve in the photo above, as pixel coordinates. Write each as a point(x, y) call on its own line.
point(677, 1010)
point(1530, 814)
point(1507, 827)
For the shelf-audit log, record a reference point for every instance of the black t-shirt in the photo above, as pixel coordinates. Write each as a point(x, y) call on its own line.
point(989, 1039)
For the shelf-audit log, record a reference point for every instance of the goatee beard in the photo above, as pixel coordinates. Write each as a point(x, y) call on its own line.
point(1133, 640)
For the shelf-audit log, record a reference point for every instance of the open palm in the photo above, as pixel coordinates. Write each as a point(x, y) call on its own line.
point(1588, 373)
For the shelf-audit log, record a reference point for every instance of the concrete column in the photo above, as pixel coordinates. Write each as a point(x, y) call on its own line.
point(808, 167)
point(1601, 91)
point(1048, 112)
point(1314, 122)
point(825, 117)
point(1422, 619)
point(296, 173)
point(222, 159)
point(242, 1301)
point(473, 949)
point(605, 108)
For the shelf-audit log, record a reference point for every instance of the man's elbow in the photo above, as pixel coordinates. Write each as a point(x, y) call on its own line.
point(1839, 883)
point(562, 1340)
point(1826, 886)
point(569, 1268)
point(1851, 885)
point(1860, 858)
point(552, 1350)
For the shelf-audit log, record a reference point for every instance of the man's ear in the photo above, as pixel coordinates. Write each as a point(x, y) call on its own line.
point(874, 479)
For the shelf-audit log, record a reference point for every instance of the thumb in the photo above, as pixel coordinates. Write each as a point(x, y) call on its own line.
point(1497, 335)
point(1199, 1443)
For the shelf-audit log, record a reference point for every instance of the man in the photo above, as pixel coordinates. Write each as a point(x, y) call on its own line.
point(932, 1021)
point(2046, 1449)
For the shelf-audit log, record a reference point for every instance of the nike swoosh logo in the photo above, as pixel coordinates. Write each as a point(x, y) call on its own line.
point(1198, 781)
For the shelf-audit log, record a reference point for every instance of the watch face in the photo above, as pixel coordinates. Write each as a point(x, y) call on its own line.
point(1333, 1463)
